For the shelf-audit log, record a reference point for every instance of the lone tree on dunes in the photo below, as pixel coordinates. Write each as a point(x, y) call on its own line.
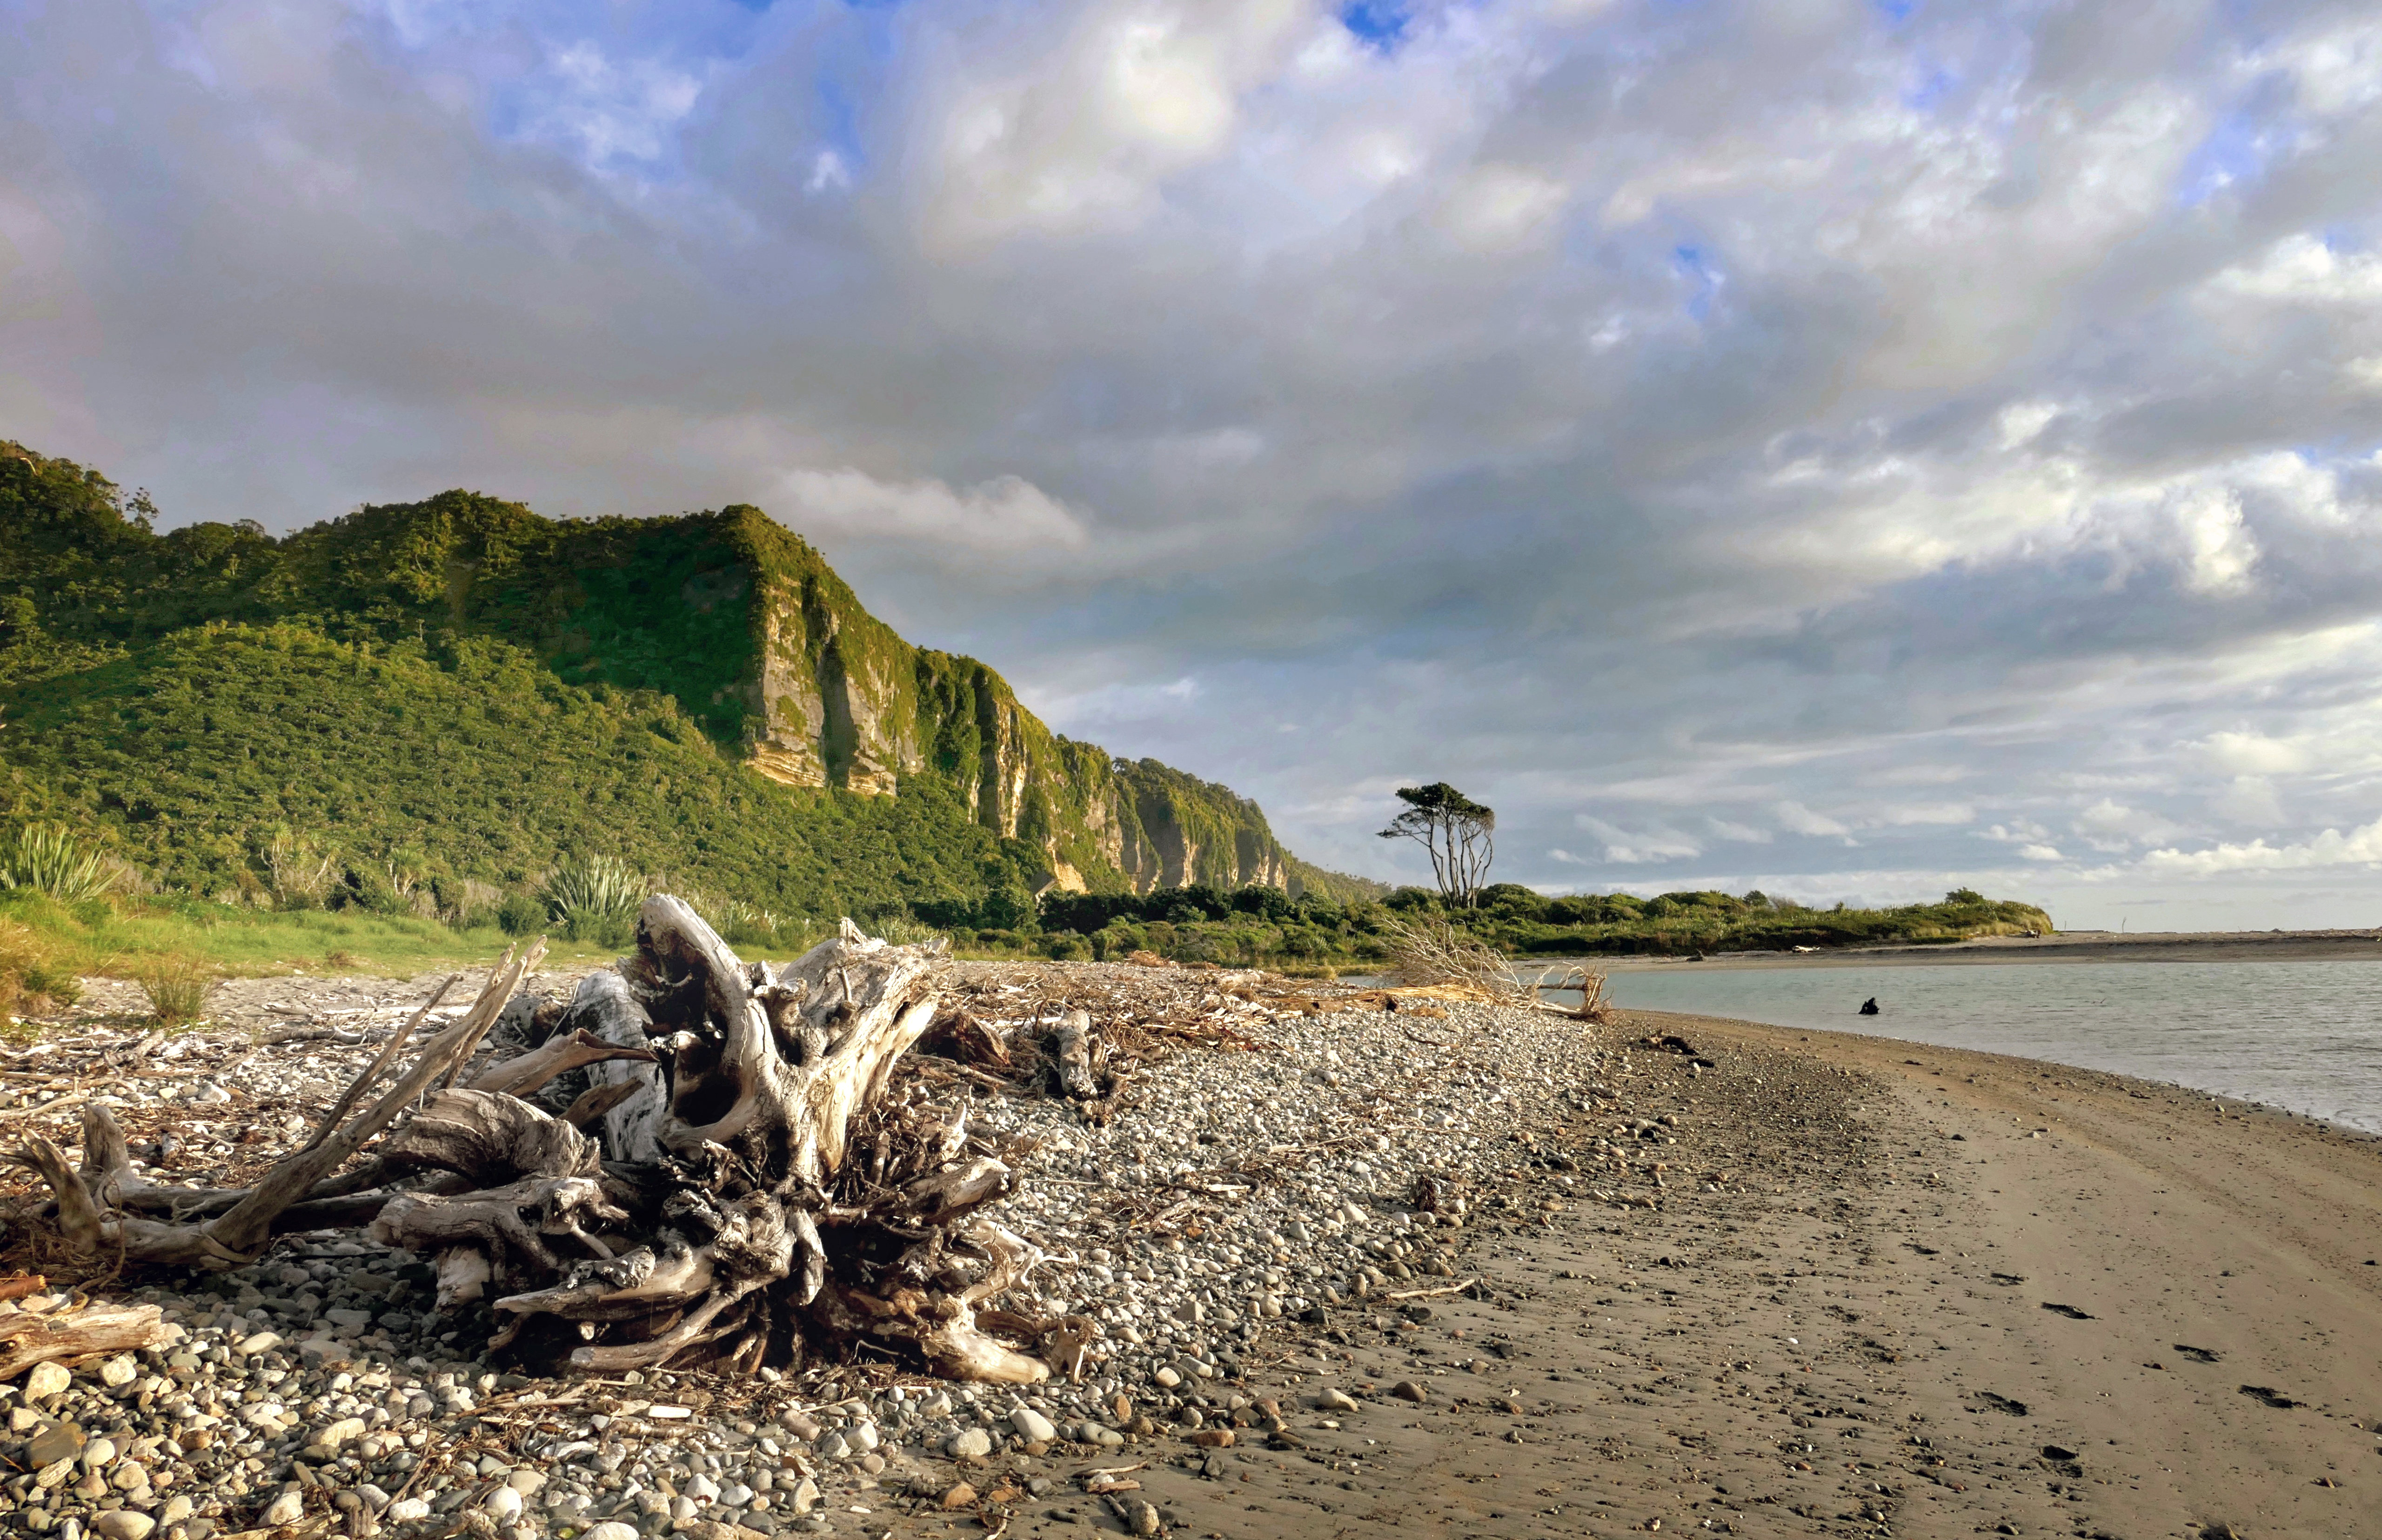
point(1459, 833)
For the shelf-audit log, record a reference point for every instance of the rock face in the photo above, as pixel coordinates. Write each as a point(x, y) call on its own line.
point(836, 698)
point(756, 641)
point(759, 639)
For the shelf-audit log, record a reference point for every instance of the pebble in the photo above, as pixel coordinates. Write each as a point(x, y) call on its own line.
point(330, 1365)
point(57, 1441)
point(123, 1523)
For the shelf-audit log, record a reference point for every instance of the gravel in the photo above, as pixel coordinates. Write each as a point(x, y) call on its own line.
point(1321, 1172)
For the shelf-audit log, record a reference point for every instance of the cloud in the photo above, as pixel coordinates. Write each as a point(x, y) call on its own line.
point(2359, 846)
point(1006, 512)
point(1958, 435)
point(1795, 818)
point(1627, 848)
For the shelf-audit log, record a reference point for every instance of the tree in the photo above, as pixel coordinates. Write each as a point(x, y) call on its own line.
point(1459, 833)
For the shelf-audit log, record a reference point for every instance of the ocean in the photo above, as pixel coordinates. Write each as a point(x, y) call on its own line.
point(2304, 1036)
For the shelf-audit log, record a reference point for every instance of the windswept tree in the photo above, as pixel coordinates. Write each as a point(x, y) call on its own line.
point(1459, 833)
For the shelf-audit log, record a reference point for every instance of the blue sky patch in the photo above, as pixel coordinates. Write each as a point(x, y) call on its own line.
point(1382, 23)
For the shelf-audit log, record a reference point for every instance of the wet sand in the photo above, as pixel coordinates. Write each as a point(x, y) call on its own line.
point(1888, 1290)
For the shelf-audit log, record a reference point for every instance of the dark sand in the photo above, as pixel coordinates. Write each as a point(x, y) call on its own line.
point(1938, 1293)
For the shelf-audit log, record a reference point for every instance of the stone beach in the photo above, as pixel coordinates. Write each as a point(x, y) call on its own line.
point(1323, 1231)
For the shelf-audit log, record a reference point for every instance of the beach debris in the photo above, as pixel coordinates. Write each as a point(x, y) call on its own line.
point(679, 1211)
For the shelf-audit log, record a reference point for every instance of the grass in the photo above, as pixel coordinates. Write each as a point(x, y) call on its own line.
point(127, 937)
point(37, 975)
point(176, 985)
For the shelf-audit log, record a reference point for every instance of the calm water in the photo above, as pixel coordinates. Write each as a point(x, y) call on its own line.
point(2303, 1035)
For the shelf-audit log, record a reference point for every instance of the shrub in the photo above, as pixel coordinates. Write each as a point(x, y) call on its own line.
point(900, 929)
point(595, 899)
point(177, 986)
point(1067, 948)
point(47, 859)
point(301, 876)
point(464, 903)
point(521, 914)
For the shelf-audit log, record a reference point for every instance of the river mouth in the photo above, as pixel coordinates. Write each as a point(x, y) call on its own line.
point(2304, 1036)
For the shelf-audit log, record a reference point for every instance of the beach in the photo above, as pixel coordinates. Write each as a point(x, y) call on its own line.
point(1945, 1293)
point(1369, 1264)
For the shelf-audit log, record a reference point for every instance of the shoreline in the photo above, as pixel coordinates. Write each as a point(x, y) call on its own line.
point(2065, 947)
point(1700, 1275)
point(1933, 1293)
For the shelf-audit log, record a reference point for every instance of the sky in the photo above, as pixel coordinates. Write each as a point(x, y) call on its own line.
point(1847, 449)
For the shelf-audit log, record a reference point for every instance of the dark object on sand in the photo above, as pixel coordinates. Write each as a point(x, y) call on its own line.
point(1869, 1007)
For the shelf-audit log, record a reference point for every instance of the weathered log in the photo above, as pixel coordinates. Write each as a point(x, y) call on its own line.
point(1070, 1050)
point(69, 1337)
point(557, 1054)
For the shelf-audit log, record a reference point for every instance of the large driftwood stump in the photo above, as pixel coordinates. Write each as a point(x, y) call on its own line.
point(739, 1181)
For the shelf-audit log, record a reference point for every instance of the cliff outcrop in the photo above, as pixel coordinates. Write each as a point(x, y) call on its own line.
point(741, 624)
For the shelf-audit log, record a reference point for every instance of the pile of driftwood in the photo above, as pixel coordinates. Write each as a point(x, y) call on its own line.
point(741, 1181)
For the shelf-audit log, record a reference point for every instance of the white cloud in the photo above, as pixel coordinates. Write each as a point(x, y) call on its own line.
point(1795, 818)
point(2248, 800)
point(2039, 852)
point(1627, 848)
point(1005, 513)
point(2359, 846)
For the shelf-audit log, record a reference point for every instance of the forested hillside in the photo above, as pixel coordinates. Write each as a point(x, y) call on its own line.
point(441, 701)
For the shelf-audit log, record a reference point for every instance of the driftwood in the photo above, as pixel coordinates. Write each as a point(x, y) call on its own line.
point(71, 1337)
point(740, 1180)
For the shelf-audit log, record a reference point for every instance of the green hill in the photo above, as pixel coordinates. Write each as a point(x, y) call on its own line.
point(445, 698)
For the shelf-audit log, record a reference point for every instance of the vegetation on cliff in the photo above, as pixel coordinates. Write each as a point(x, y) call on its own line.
point(427, 709)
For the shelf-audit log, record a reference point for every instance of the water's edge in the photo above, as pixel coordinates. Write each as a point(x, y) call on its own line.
point(2305, 1035)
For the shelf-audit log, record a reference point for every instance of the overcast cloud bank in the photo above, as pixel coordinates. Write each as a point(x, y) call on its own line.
point(1850, 449)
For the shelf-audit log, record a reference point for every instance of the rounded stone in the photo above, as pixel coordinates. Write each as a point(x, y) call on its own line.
point(123, 1523)
point(504, 1504)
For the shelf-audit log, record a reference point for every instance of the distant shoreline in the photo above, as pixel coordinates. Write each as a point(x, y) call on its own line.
point(2066, 947)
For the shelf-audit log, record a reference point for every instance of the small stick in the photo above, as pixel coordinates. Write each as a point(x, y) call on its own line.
point(1432, 1293)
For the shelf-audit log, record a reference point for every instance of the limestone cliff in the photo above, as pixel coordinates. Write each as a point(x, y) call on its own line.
point(752, 631)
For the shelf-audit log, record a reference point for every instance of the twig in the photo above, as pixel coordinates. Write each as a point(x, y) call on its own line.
point(1431, 1293)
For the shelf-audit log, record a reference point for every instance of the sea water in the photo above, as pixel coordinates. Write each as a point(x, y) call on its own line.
point(2303, 1035)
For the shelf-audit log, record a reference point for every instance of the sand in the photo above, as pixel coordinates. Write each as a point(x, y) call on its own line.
point(1938, 1293)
